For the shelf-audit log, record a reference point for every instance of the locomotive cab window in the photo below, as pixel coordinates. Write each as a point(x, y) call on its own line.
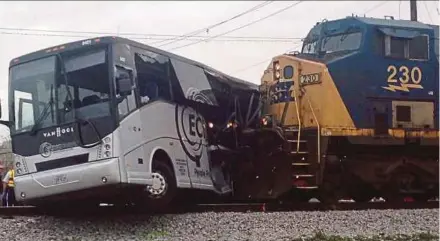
point(397, 47)
point(416, 48)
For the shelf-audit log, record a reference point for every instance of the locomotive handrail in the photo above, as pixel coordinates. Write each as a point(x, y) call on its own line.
point(319, 129)
point(299, 120)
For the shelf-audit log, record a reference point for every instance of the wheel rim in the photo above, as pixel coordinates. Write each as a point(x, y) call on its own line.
point(159, 186)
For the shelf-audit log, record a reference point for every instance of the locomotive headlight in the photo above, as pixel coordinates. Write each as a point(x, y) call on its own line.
point(107, 139)
point(19, 171)
point(267, 121)
point(276, 70)
point(107, 147)
point(107, 154)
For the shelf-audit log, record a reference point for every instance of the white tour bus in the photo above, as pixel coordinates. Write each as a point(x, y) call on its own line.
point(93, 119)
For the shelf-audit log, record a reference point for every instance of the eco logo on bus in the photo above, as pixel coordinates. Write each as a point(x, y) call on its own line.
point(46, 148)
point(191, 131)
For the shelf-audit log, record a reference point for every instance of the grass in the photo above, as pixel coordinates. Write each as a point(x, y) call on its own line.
point(319, 236)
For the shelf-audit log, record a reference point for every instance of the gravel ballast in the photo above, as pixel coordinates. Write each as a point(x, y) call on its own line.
point(224, 226)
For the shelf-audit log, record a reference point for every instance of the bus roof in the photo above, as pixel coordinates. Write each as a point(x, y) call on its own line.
point(113, 39)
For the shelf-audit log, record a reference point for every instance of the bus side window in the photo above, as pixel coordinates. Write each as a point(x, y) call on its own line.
point(152, 77)
point(128, 103)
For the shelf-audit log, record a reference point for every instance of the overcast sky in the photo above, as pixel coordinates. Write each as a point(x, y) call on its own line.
point(245, 59)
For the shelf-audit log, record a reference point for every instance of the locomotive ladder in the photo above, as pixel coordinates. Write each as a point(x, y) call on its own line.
point(304, 170)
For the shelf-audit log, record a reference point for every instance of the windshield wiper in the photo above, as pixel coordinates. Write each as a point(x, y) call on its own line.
point(44, 113)
point(347, 32)
point(66, 82)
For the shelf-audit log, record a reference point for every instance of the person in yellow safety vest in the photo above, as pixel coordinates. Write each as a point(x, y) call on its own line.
point(8, 195)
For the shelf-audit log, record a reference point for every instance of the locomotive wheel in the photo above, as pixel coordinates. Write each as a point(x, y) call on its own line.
point(301, 196)
point(361, 197)
point(329, 194)
point(160, 195)
point(422, 197)
point(359, 191)
point(400, 180)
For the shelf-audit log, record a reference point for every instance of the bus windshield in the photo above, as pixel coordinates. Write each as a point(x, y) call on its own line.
point(39, 94)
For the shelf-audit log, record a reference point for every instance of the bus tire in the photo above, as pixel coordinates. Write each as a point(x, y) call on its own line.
point(160, 195)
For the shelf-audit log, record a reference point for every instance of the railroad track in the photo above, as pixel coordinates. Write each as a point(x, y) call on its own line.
point(199, 208)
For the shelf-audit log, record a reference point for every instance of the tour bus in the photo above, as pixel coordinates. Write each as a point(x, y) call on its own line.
point(95, 118)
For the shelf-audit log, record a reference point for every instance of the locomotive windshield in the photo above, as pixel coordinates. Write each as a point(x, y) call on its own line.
point(333, 43)
point(309, 47)
point(39, 95)
point(341, 42)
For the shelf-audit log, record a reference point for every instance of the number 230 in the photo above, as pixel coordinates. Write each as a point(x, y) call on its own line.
point(415, 73)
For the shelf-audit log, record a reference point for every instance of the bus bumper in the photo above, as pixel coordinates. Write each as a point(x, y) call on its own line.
point(92, 175)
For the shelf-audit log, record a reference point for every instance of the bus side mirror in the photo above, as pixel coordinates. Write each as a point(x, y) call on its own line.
point(124, 86)
point(3, 122)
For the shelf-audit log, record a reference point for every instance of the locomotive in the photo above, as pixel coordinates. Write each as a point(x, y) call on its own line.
point(358, 109)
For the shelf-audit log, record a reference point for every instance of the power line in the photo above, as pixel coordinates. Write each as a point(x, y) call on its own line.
point(264, 61)
point(429, 14)
point(400, 2)
point(77, 32)
point(376, 6)
point(243, 26)
point(172, 37)
point(252, 65)
point(143, 36)
point(240, 39)
point(173, 40)
point(261, 62)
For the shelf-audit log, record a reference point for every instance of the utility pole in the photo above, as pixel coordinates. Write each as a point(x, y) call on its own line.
point(413, 6)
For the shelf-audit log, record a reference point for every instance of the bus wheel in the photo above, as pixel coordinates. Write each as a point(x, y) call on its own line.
point(160, 194)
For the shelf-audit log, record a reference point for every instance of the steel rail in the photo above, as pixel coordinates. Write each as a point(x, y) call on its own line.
point(6, 212)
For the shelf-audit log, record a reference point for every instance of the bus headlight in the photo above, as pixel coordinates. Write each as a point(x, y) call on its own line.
point(105, 150)
point(20, 165)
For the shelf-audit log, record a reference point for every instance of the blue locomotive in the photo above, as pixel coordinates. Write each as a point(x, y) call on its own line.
point(359, 109)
